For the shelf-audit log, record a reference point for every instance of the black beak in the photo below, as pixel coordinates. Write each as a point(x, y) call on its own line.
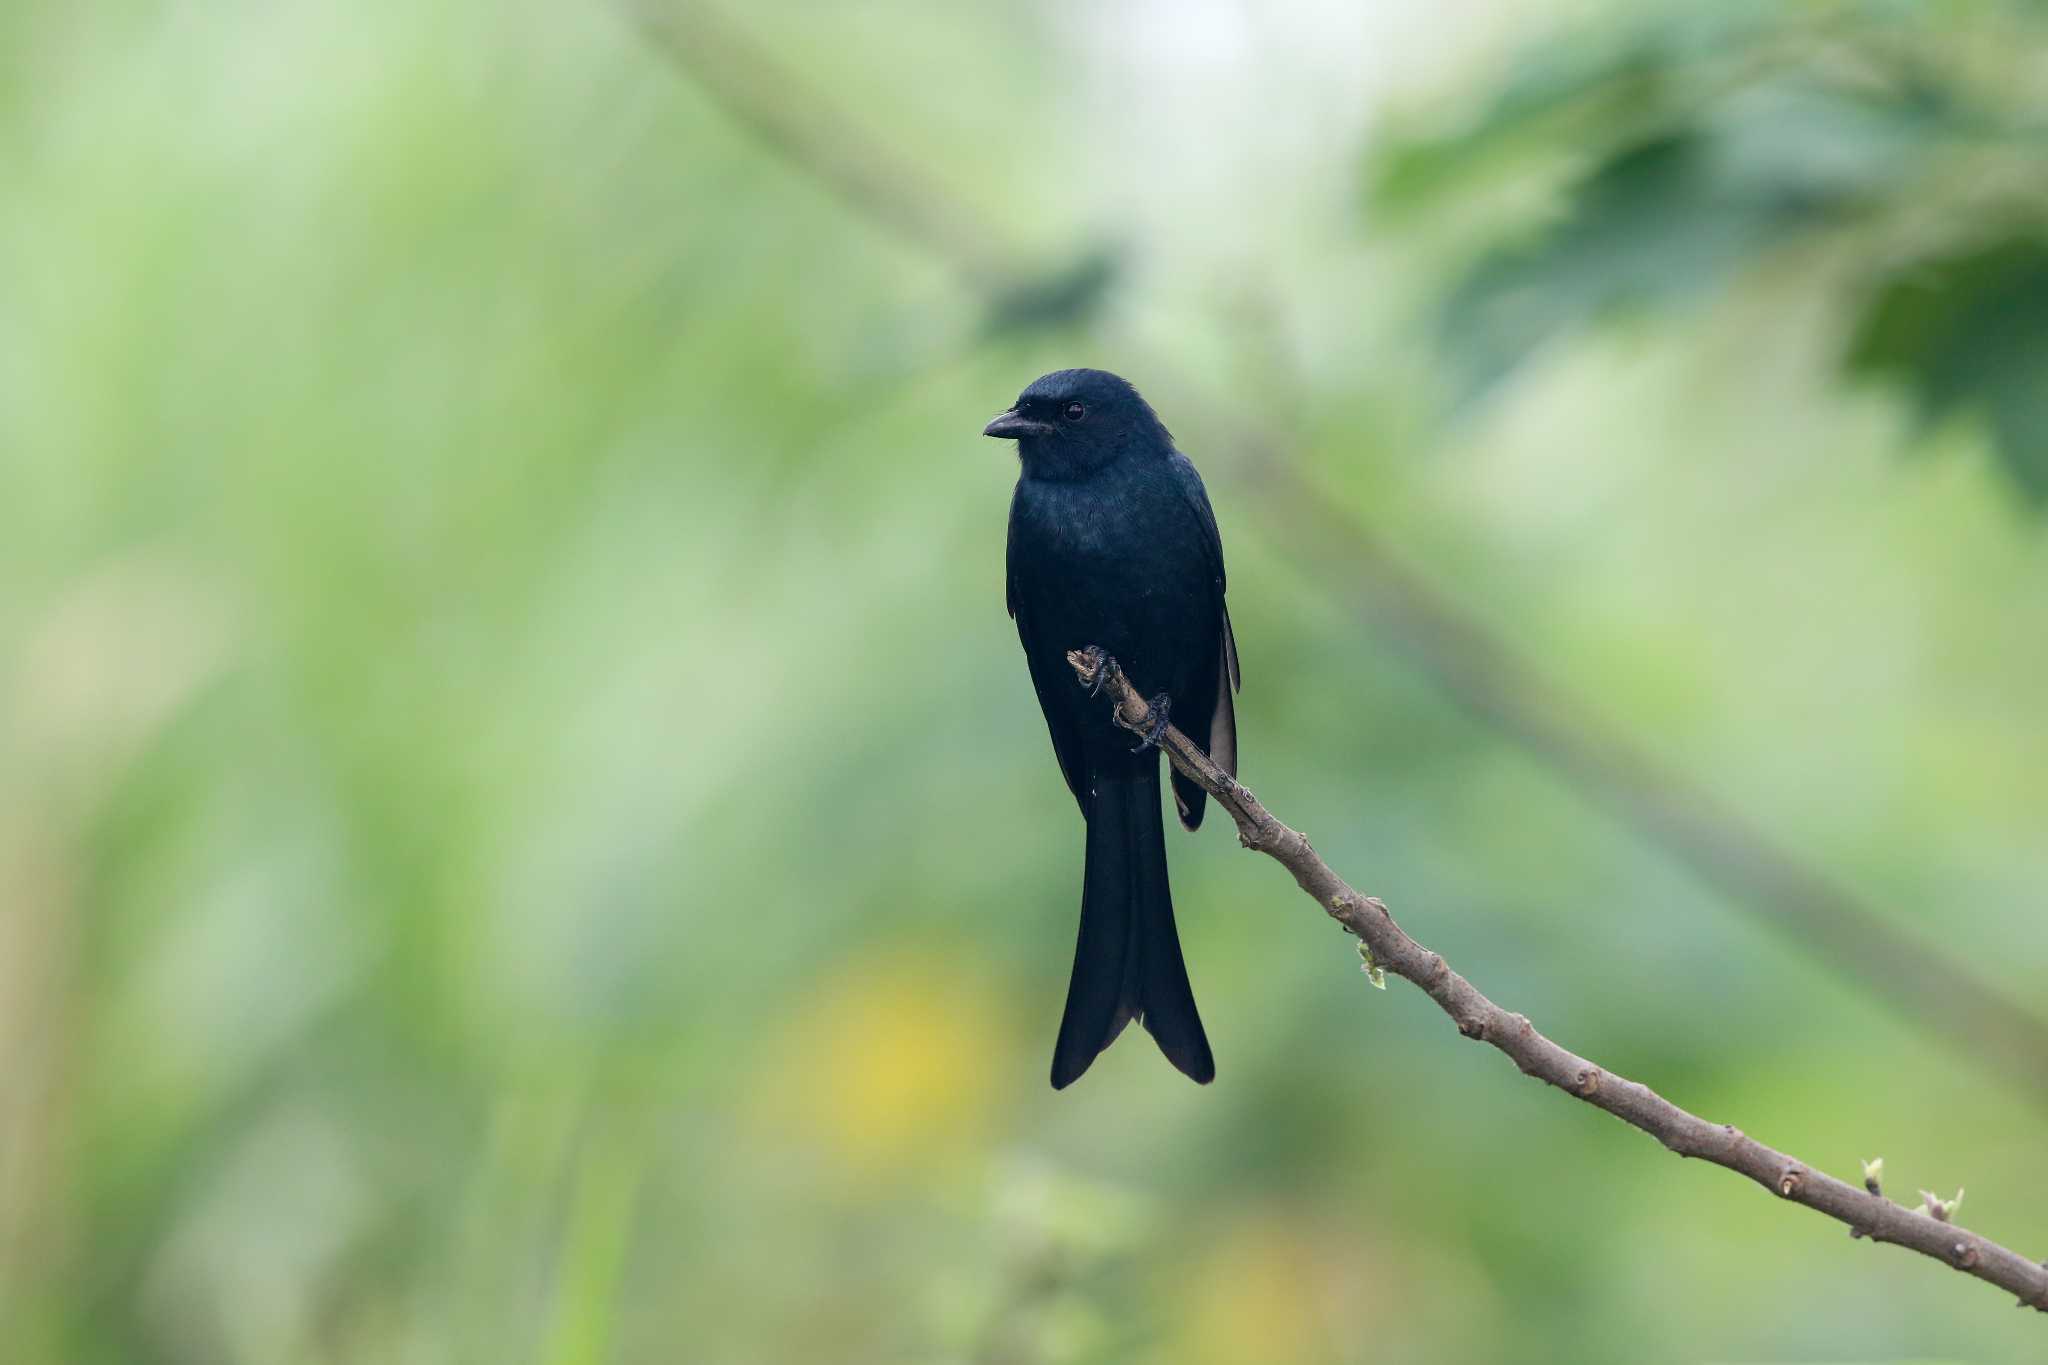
point(1008, 426)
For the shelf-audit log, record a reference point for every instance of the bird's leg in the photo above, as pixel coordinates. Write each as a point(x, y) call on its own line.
point(1160, 707)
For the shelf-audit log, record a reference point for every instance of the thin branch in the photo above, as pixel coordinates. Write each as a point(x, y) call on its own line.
point(1495, 682)
point(1867, 1214)
point(1470, 661)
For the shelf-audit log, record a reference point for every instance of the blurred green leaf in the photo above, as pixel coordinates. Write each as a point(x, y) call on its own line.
point(1582, 96)
point(1653, 223)
point(1066, 296)
point(1674, 214)
point(1694, 150)
point(1967, 332)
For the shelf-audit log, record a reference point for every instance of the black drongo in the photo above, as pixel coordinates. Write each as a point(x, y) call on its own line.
point(1112, 543)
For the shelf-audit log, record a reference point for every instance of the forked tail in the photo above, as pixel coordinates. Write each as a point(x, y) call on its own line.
point(1127, 962)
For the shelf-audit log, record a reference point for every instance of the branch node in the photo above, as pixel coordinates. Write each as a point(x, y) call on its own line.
point(1588, 1083)
point(1473, 1026)
point(1789, 1181)
point(1965, 1255)
point(1939, 1209)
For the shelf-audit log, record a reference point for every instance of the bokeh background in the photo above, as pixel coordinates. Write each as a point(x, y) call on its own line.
point(524, 833)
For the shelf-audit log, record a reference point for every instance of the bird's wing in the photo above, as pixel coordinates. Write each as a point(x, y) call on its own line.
point(1211, 713)
point(1212, 545)
point(1059, 695)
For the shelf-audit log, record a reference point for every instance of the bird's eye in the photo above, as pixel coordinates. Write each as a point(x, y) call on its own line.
point(1074, 412)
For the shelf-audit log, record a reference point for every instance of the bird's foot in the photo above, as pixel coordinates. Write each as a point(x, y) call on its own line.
point(1098, 669)
point(1161, 707)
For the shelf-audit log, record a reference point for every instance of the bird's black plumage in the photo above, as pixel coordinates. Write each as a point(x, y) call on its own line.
point(1113, 543)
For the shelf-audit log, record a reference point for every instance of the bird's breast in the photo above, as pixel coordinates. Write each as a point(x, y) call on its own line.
point(1077, 523)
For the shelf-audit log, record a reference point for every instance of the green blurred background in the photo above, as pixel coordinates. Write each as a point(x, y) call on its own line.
point(524, 832)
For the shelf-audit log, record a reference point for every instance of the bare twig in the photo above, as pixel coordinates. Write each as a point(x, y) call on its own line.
point(1472, 663)
point(1867, 1214)
point(1494, 681)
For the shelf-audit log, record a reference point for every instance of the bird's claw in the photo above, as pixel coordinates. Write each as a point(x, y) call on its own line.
point(1098, 669)
point(1160, 707)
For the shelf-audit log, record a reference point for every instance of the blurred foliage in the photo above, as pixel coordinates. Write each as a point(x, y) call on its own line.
point(524, 834)
point(1896, 143)
point(1070, 296)
point(1969, 331)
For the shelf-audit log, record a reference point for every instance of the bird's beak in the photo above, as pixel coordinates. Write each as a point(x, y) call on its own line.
point(1008, 426)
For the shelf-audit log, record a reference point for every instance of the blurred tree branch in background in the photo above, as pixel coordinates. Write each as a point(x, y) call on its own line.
point(1385, 946)
point(1467, 658)
point(869, 176)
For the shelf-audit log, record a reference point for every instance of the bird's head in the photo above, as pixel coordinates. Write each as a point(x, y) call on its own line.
point(1070, 423)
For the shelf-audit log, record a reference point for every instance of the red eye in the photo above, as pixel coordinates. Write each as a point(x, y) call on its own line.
point(1075, 412)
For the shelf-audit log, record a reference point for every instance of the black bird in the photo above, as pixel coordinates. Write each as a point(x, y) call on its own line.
point(1112, 543)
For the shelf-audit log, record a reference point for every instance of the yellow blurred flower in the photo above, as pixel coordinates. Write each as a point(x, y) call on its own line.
point(1257, 1294)
point(889, 1062)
